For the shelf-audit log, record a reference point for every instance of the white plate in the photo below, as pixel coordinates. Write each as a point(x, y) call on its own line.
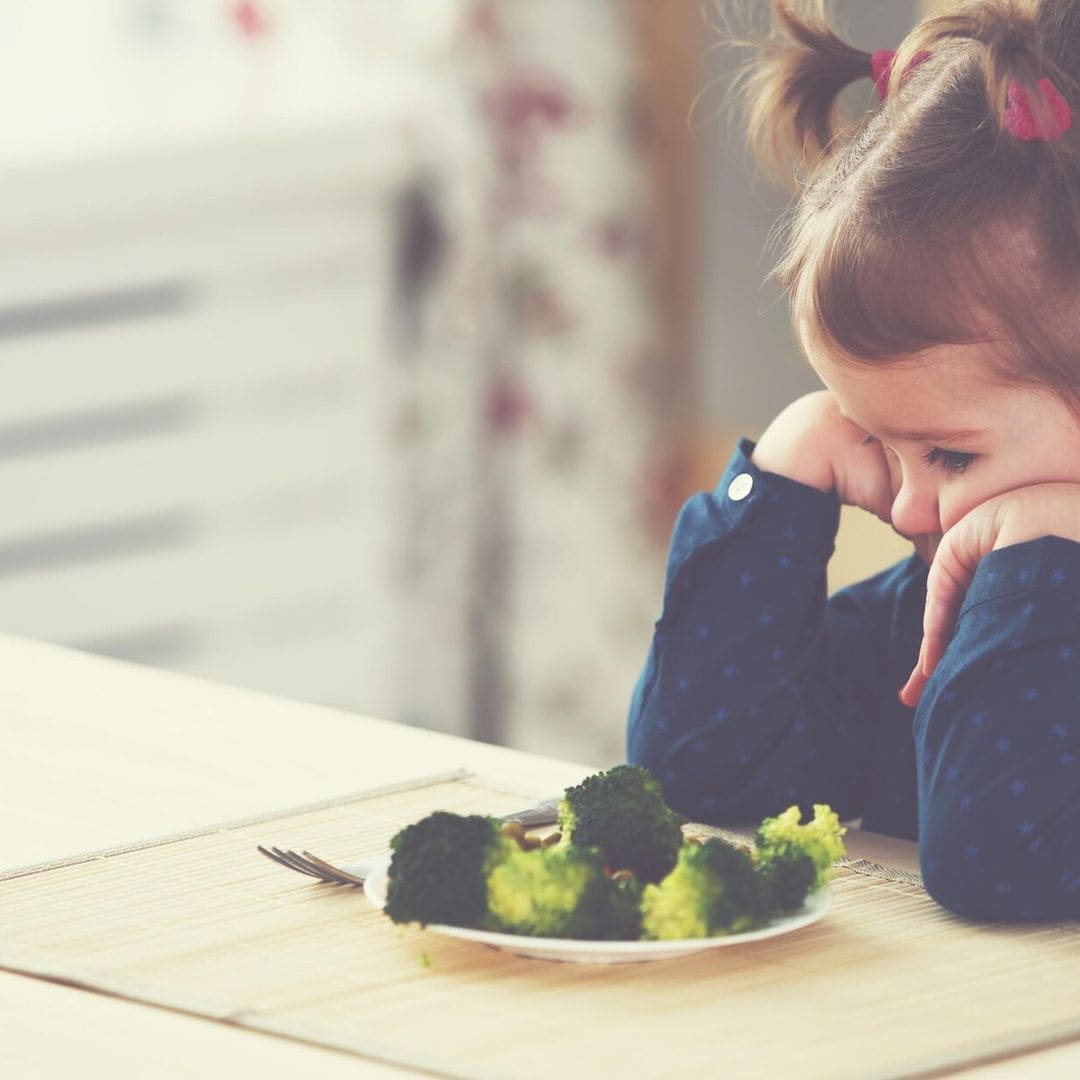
point(607, 952)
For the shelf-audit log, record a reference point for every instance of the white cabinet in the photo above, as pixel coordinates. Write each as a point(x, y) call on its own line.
point(194, 469)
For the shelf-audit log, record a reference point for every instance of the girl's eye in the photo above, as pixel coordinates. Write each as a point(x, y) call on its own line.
point(948, 460)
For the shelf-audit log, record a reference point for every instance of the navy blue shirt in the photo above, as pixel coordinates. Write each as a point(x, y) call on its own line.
point(759, 692)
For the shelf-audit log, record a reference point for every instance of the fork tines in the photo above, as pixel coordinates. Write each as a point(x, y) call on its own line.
point(309, 864)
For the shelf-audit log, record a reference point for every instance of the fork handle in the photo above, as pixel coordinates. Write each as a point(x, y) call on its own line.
point(360, 870)
point(543, 813)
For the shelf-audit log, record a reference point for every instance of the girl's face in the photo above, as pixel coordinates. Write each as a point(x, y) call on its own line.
point(953, 437)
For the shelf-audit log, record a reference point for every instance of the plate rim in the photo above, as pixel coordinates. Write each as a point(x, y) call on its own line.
point(815, 907)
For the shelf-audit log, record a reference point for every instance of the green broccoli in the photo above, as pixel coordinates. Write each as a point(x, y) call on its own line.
point(795, 859)
point(713, 890)
point(622, 812)
point(560, 892)
point(439, 867)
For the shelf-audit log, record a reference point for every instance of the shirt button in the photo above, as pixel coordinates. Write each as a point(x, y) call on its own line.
point(740, 487)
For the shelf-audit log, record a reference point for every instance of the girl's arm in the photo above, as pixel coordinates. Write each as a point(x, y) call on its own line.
point(756, 693)
point(997, 735)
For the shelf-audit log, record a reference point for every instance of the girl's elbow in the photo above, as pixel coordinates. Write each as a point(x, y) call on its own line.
point(956, 879)
point(954, 890)
point(954, 870)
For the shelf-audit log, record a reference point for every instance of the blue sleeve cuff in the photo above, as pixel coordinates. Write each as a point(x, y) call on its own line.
point(746, 494)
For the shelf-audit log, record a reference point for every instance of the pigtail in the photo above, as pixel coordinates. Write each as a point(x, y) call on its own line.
point(1012, 34)
point(1023, 43)
point(789, 90)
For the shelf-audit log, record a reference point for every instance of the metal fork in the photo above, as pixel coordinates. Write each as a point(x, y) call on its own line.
point(306, 863)
point(543, 813)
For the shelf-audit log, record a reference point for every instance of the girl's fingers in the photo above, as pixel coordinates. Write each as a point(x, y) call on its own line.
point(912, 690)
point(947, 584)
point(945, 593)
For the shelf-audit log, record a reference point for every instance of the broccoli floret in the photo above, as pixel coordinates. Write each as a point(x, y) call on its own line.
point(439, 867)
point(560, 892)
point(713, 890)
point(622, 812)
point(789, 878)
point(795, 859)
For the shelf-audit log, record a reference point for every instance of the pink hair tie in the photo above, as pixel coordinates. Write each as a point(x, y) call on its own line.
point(1021, 121)
point(881, 63)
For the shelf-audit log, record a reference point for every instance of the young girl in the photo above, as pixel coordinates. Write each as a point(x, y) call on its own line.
point(933, 267)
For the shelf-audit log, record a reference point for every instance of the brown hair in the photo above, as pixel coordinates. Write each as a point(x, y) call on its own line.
point(926, 223)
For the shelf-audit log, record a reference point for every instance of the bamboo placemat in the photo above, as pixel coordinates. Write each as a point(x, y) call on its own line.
point(887, 984)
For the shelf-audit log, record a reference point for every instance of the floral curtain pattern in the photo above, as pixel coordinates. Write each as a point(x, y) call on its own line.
point(527, 412)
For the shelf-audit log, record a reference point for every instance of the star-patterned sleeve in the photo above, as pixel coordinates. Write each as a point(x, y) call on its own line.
point(997, 740)
point(756, 693)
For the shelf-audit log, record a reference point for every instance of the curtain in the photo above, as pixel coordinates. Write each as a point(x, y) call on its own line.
point(528, 408)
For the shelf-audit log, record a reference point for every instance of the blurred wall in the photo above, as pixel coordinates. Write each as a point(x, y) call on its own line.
point(748, 363)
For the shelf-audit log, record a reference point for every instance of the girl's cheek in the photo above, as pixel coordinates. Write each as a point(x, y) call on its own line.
point(958, 504)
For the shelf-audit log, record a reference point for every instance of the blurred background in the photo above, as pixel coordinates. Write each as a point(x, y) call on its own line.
point(363, 352)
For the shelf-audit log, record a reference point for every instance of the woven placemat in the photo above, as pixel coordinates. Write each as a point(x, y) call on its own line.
point(886, 985)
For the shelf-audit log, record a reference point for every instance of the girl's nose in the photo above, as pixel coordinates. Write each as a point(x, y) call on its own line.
point(915, 511)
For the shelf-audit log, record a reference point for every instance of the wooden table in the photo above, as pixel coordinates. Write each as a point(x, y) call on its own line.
point(98, 753)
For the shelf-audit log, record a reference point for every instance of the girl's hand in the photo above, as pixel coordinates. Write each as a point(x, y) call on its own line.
point(1028, 513)
point(812, 443)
